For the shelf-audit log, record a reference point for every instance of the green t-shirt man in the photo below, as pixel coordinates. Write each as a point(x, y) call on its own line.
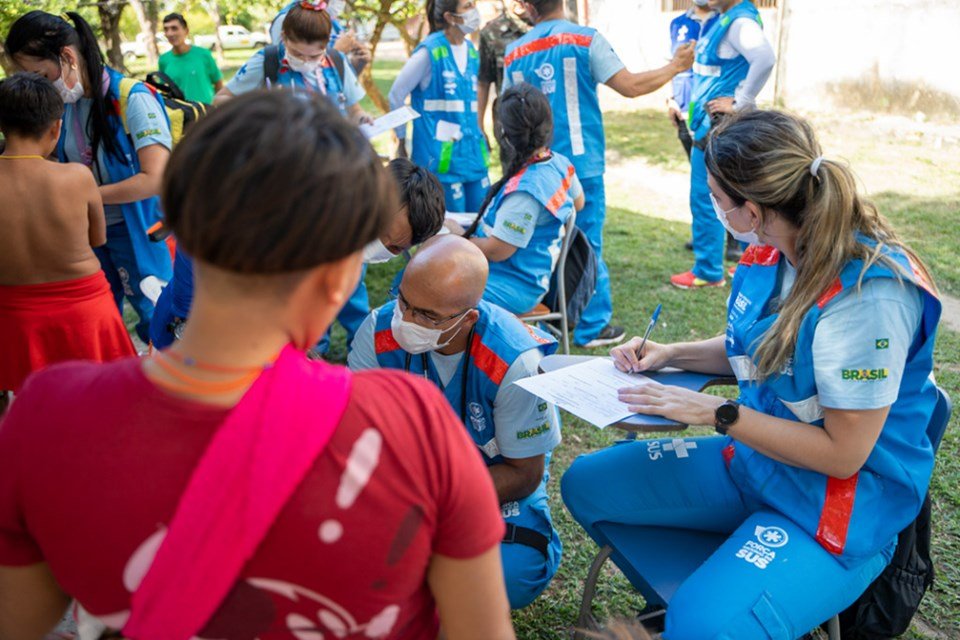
point(195, 72)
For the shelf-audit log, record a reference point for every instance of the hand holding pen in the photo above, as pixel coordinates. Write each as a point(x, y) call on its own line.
point(639, 354)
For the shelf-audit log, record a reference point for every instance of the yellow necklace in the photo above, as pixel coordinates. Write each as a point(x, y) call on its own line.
point(22, 157)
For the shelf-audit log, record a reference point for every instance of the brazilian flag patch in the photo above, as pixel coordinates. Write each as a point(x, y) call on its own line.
point(882, 343)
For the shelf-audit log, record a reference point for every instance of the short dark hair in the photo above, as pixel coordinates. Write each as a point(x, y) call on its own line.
point(170, 17)
point(29, 105)
point(275, 182)
point(421, 193)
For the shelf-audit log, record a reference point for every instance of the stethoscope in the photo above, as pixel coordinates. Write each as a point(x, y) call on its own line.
point(465, 370)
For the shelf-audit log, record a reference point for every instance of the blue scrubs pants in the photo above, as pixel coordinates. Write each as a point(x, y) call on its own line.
point(590, 220)
point(160, 335)
point(708, 232)
point(465, 197)
point(525, 570)
point(769, 581)
point(119, 264)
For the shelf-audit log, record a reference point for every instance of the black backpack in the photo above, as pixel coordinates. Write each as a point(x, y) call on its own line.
point(887, 606)
point(580, 278)
point(271, 63)
point(182, 112)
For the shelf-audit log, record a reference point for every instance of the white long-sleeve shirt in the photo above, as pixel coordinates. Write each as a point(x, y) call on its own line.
point(417, 73)
point(745, 37)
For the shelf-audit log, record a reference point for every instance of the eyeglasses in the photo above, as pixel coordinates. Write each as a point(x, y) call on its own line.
point(424, 316)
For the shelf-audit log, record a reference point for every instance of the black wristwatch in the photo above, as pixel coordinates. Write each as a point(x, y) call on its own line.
point(726, 416)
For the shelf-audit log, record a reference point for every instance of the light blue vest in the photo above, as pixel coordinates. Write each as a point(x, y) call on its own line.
point(520, 282)
point(683, 29)
point(499, 339)
point(451, 97)
point(555, 57)
point(857, 517)
point(714, 76)
point(287, 77)
point(152, 257)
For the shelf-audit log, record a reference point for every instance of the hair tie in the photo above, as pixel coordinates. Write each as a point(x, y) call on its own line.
point(815, 166)
point(319, 5)
point(66, 18)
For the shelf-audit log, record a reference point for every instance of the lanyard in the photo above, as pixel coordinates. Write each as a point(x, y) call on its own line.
point(465, 370)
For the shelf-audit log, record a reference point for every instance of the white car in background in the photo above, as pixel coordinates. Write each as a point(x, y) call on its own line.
point(138, 48)
point(234, 36)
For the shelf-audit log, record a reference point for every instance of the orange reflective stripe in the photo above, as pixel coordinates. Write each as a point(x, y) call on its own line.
point(384, 341)
point(764, 256)
point(547, 43)
point(835, 516)
point(835, 288)
point(560, 196)
point(487, 361)
point(514, 182)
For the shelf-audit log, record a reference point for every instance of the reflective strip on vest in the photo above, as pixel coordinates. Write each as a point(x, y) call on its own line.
point(808, 410)
point(743, 368)
point(488, 361)
point(383, 341)
point(560, 195)
point(572, 95)
point(446, 156)
point(706, 70)
point(450, 106)
point(474, 106)
point(517, 77)
point(836, 512)
point(549, 42)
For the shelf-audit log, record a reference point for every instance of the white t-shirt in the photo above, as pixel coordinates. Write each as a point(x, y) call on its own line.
point(518, 415)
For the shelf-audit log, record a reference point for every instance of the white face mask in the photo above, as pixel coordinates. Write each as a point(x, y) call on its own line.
point(69, 95)
point(471, 21)
point(750, 237)
point(415, 339)
point(302, 66)
point(376, 252)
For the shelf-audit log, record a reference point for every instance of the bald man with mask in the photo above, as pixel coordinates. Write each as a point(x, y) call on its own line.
point(439, 328)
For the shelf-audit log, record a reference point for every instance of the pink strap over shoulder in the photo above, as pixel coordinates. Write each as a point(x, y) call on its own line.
point(252, 466)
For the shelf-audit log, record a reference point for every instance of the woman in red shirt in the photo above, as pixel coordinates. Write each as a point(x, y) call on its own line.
point(229, 487)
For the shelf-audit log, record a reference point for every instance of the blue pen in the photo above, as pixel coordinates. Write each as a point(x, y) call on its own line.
point(646, 334)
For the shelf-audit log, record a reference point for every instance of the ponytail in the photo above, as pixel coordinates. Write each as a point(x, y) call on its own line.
point(773, 159)
point(43, 35)
point(525, 125)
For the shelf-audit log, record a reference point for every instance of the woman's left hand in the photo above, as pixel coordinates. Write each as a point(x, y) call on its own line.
point(364, 118)
point(673, 403)
point(720, 105)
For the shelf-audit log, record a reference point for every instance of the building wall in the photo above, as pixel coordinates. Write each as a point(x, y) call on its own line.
point(874, 54)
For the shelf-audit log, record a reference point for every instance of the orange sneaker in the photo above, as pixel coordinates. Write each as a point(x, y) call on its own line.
point(687, 280)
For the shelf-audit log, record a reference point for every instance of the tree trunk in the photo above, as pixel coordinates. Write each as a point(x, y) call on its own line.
point(148, 30)
point(213, 7)
point(366, 78)
point(110, 12)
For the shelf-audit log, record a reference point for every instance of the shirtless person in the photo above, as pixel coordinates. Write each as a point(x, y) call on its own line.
point(55, 303)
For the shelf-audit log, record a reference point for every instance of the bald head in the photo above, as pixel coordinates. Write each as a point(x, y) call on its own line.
point(448, 270)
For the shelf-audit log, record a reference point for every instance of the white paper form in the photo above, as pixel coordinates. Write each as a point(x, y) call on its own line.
point(587, 390)
point(389, 121)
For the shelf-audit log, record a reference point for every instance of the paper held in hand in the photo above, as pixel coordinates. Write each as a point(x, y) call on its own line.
point(389, 121)
point(587, 390)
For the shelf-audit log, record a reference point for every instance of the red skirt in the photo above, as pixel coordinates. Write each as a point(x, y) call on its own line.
point(42, 324)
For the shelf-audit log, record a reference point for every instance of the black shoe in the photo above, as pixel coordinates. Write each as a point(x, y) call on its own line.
point(688, 245)
point(610, 334)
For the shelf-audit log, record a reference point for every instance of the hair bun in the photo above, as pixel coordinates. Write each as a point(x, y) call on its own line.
point(318, 5)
